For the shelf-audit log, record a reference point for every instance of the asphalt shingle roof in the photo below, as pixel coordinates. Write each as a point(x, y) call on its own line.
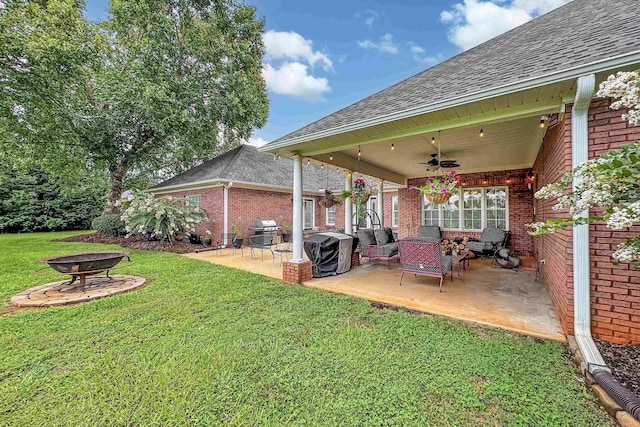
point(246, 164)
point(576, 34)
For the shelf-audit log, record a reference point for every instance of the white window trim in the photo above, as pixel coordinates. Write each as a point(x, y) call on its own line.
point(395, 211)
point(313, 213)
point(461, 210)
point(326, 216)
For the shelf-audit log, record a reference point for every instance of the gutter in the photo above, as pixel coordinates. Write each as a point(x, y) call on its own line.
point(596, 365)
point(533, 82)
point(225, 211)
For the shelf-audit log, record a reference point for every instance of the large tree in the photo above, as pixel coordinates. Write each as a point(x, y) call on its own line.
point(158, 87)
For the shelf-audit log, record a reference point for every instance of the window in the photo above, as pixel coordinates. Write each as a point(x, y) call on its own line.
point(394, 211)
point(196, 199)
point(430, 213)
point(451, 212)
point(496, 207)
point(470, 209)
point(331, 215)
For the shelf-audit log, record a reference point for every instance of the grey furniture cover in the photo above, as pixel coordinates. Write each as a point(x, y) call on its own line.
point(492, 239)
point(329, 252)
point(430, 232)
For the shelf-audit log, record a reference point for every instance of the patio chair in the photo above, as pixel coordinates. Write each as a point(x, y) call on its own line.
point(378, 244)
point(491, 240)
point(283, 249)
point(430, 232)
point(423, 256)
point(263, 242)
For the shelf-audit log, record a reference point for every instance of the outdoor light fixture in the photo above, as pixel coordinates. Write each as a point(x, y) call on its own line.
point(308, 161)
point(542, 121)
point(322, 166)
point(330, 156)
point(359, 152)
point(481, 132)
point(433, 139)
point(392, 147)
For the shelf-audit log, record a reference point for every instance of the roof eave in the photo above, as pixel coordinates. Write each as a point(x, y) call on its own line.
point(551, 78)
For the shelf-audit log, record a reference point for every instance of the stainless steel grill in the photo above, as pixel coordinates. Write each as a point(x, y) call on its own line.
point(265, 226)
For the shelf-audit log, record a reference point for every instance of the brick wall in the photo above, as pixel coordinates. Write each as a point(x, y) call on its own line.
point(615, 289)
point(554, 158)
point(520, 206)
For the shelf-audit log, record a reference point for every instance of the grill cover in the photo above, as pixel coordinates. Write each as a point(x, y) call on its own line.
point(329, 252)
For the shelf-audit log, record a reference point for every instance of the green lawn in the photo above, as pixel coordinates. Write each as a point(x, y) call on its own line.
point(204, 345)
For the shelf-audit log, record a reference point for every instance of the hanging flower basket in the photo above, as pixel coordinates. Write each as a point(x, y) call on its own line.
point(439, 198)
point(360, 198)
point(329, 200)
point(439, 190)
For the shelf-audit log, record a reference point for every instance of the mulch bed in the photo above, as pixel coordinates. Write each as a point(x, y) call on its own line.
point(624, 361)
point(134, 242)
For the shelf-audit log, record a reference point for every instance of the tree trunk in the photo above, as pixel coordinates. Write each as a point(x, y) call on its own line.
point(116, 188)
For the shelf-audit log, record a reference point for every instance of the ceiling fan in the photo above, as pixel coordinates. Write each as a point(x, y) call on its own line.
point(437, 162)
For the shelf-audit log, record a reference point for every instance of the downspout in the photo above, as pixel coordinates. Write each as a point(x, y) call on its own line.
point(596, 365)
point(225, 211)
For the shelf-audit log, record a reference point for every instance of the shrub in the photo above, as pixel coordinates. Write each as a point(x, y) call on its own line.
point(163, 216)
point(36, 201)
point(109, 225)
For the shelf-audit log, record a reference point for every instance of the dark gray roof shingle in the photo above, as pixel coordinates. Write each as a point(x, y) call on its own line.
point(246, 164)
point(576, 34)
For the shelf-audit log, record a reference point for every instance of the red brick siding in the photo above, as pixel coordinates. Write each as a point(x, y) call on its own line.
point(615, 289)
point(554, 158)
point(520, 206)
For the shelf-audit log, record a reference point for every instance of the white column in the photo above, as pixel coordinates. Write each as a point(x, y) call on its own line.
point(297, 209)
point(381, 202)
point(225, 212)
point(347, 204)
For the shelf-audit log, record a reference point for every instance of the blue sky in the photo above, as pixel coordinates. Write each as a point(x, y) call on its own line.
point(322, 56)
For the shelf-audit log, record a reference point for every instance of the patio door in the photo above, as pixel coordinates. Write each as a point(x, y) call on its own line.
point(308, 213)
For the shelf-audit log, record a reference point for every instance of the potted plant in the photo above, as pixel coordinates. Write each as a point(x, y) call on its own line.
point(287, 230)
point(439, 190)
point(329, 199)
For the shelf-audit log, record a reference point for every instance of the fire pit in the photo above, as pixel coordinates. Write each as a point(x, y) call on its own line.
point(84, 264)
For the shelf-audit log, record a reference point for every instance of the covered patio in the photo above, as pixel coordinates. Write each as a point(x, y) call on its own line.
point(496, 297)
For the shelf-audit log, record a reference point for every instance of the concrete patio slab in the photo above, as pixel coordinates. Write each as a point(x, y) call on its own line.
point(496, 297)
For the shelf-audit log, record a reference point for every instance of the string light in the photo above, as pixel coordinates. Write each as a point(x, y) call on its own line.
point(330, 156)
point(308, 161)
point(433, 139)
point(481, 132)
point(542, 119)
point(322, 166)
point(392, 147)
point(359, 152)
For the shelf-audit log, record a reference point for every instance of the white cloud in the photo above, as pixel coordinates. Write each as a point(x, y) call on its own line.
point(385, 44)
point(292, 78)
point(476, 21)
point(257, 141)
point(291, 45)
point(369, 16)
point(418, 54)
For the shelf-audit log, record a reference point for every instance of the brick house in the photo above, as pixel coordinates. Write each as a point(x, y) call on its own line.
point(244, 185)
point(515, 112)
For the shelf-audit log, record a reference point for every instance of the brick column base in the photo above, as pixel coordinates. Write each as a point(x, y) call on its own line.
point(296, 272)
point(355, 259)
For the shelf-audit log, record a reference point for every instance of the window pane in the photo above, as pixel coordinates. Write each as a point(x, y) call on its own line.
point(496, 207)
point(451, 212)
point(394, 211)
point(472, 209)
point(430, 212)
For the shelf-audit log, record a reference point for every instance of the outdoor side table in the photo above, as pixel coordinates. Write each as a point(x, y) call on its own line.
point(461, 259)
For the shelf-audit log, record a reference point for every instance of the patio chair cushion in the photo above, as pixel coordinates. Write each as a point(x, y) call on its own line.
point(430, 232)
point(492, 234)
point(384, 236)
point(390, 249)
point(366, 238)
